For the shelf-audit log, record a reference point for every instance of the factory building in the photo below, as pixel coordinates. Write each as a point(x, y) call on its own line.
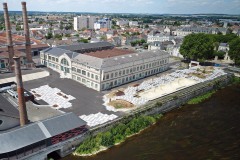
point(103, 69)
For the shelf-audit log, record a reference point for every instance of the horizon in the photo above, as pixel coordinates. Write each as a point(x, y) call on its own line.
point(230, 7)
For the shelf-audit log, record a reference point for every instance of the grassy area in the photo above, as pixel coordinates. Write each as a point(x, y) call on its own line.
point(115, 135)
point(236, 80)
point(118, 104)
point(201, 98)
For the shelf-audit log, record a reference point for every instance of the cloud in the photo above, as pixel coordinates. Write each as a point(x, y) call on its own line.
point(131, 6)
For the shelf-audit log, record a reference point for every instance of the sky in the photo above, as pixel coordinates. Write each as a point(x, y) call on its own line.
point(130, 6)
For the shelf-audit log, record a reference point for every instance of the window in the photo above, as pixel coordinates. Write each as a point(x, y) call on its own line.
point(111, 75)
point(120, 73)
point(103, 86)
point(96, 85)
point(96, 77)
point(107, 76)
point(53, 58)
point(79, 70)
point(83, 80)
point(116, 74)
point(123, 72)
point(137, 68)
point(92, 76)
point(78, 78)
point(84, 72)
point(88, 74)
point(64, 62)
point(115, 82)
point(74, 69)
point(56, 59)
point(127, 71)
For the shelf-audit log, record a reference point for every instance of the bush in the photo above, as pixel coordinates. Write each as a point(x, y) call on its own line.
point(116, 134)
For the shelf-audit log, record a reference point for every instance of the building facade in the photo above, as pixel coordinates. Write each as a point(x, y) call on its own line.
point(81, 22)
point(103, 23)
point(105, 69)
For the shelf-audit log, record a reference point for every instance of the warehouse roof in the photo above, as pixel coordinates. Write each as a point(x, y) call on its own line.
point(38, 131)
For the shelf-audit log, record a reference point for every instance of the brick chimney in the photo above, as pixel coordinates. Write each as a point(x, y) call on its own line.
point(27, 35)
point(20, 91)
point(9, 36)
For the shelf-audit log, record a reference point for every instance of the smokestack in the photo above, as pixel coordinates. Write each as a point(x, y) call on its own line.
point(20, 91)
point(9, 36)
point(26, 32)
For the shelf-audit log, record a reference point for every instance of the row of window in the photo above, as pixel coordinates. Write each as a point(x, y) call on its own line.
point(85, 81)
point(51, 58)
point(85, 73)
point(131, 78)
point(134, 69)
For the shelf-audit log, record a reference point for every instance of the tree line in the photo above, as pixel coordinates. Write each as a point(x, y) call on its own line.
point(203, 47)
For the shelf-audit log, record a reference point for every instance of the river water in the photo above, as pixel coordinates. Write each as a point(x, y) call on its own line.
point(210, 130)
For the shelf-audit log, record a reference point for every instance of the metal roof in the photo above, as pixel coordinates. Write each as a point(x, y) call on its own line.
point(103, 63)
point(82, 46)
point(38, 131)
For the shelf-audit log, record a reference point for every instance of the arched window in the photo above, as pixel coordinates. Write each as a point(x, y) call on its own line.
point(64, 62)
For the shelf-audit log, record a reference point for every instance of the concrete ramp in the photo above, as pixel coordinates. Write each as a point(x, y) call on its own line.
point(27, 77)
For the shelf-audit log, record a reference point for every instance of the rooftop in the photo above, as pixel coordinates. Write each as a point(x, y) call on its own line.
point(110, 53)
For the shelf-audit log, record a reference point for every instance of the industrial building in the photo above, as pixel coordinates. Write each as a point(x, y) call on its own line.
point(100, 66)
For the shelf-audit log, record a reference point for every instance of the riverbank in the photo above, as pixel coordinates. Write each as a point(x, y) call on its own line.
point(115, 136)
point(209, 130)
point(201, 98)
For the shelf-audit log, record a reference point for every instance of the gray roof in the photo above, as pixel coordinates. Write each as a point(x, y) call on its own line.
point(223, 44)
point(82, 46)
point(104, 63)
point(55, 51)
point(38, 131)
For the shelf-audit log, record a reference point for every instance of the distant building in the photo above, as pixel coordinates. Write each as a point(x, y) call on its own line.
point(81, 22)
point(207, 30)
point(103, 23)
point(105, 68)
point(122, 22)
point(133, 23)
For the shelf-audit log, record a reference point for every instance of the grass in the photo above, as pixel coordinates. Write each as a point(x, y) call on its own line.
point(201, 98)
point(118, 104)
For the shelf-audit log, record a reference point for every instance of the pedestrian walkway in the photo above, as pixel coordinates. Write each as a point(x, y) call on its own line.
point(26, 77)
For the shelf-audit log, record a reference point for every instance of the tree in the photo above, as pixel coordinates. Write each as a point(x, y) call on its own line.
point(234, 51)
point(197, 47)
point(107, 139)
point(83, 40)
point(58, 36)
point(49, 35)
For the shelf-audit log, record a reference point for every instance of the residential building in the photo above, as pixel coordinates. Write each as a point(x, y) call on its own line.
point(133, 23)
point(104, 69)
point(207, 30)
point(122, 22)
point(103, 23)
point(81, 22)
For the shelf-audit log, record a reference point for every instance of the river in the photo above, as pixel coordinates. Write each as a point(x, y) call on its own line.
point(210, 130)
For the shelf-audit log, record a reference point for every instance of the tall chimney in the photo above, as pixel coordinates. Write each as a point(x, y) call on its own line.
point(9, 36)
point(26, 32)
point(20, 91)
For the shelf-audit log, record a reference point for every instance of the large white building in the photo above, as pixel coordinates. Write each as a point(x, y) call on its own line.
point(103, 23)
point(101, 67)
point(81, 22)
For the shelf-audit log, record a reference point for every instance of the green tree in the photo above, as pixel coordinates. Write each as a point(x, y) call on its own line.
point(197, 47)
point(49, 35)
point(83, 40)
point(58, 36)
point(107, 139)
point(234, 51)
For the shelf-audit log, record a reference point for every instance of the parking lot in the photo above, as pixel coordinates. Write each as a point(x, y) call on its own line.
point(88, 101)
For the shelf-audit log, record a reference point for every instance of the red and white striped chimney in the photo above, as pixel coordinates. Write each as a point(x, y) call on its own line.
point(9, 36)
point(27, 35)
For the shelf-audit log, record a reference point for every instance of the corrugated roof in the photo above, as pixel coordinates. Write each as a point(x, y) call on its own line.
point(82, 46)
point(38, 131)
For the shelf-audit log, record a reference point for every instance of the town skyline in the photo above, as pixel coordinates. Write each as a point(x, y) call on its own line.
point(137, 6)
